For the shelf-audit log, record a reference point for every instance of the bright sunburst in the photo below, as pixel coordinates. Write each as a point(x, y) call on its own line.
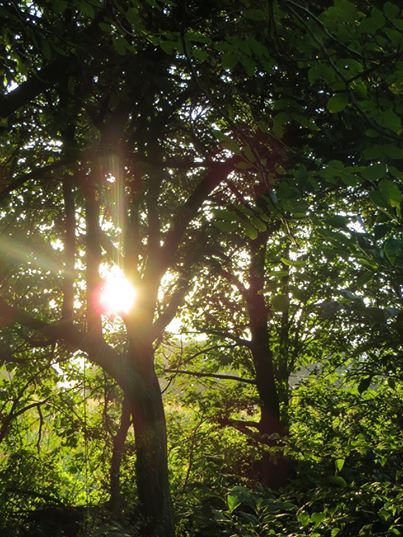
point(117, 294)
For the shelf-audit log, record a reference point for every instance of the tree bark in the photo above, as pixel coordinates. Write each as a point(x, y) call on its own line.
point(260, 344)
point(272, 471)
point(284, 336)
point(117, 454)
point(69, 248)
point(151, 441)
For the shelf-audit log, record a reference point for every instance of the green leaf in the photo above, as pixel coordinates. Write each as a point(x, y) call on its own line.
point(168, 46)
point(250, 231)
point(374, 172)
point(243, 165)
point(317, 518)
point(86, 9)
point(231, 145)
point(232, 502)
point(334, 532)
point(249, 154)
point(279, 121)
point(279, 302)
point(132, 15)
point(258, 224)
point(337, 481)
point(304, 519)
point(393, 248)
point(364, 278)
point(391, 10)
point(337, 103)
point(339, 464)
point(373, 23)
point(119, 44)
point(391, 120)
point(200, 54)
point(248, 64)
point(391, 192)
point(225, 226)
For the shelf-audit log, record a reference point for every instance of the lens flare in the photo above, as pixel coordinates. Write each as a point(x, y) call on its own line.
point(117, 294)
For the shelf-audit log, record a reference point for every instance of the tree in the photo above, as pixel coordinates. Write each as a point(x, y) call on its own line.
point(158, 105)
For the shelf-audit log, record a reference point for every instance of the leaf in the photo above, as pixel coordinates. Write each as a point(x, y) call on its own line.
point(337, 103)
point(168, 46)
point(231, 145)
point(364, 278)
point(243, 165)
point(279, 302)
point(374, 172)
point(232, 502)
point(132, 15)
point(391, 192)
point(200, 54)
point(391, 120)
point(258, 224)
point(391, 10)
point(337, 221)
point(249, 154)
point(304, 519)
point(337, 481)
point(86, 9)
point(317, 518)
point(279, 121)
point(226, 226)
point(250, 231)
point(248, 64)
point(393, 248)
point(339, 464)
point(334, 532)
point(119, 44)
point(373, 23)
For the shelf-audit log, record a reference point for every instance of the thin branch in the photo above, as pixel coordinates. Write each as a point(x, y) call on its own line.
point(218, 376)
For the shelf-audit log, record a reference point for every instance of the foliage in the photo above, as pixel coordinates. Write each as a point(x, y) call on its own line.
point(240, 162)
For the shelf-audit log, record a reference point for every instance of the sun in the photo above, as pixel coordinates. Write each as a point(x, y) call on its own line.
point(117, 295)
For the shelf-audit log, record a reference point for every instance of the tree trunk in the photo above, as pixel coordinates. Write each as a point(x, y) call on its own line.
point(117, 454)
point(284, 336)
point(151, 444)
point(260, 344)
point(273, 471)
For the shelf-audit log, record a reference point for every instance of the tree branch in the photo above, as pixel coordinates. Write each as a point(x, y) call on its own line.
point(215, 174)
point(209, 375)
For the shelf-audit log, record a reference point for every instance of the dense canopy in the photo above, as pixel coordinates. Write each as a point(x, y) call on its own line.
point(201, 267)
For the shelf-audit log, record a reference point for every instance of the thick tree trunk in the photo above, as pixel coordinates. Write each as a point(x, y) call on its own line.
point(265, 382)
point(117, 454)
point(151, 445)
